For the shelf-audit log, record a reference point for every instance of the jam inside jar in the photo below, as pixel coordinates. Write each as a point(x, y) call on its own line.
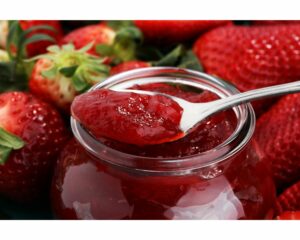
point(215, 172)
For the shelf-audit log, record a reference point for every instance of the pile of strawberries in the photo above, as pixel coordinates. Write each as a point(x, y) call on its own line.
point(45, 64)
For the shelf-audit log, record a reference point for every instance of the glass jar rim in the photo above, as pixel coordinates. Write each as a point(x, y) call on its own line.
point(179, 165)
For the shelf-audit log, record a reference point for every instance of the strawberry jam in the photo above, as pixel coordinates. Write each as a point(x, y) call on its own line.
point(215, 172)
point(129, 117)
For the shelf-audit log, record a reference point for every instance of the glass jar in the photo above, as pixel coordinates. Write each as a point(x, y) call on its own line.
point(230, 181)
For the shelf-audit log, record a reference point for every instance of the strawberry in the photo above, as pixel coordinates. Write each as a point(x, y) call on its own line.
point(31, 136)
point(130, 65)
point(175, 31)
point(289, 216)
point(40, 47)
point(251, 57)
point(14, 70)
point(62, 73)
point(278, 136)
point(97, 33)
point(289, 200)
point(116, 40)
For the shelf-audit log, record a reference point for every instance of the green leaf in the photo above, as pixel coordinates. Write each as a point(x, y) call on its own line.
point(148, 53)
point(101, 68)
point(13, 34)
point(12, 78)
point(46, 55)
point(6, 71)
point(104, 50)
point(68, 71)
point(10, 140)
point(37, 38)
point(53, 49)
point(68, 47)
point(49, 73)
point(172, 58)
point(79, 83)
point(129, 34)
point(190, 61)
point(39, 27)
point(125, 51)
point(4, 154)
point(86, 47)
point(96, 79)
point(117, 24)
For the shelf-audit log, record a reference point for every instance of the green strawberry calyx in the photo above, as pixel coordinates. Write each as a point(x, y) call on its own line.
point(8, 142)
point(82, 68)
point(125, 44)
point(14, 70)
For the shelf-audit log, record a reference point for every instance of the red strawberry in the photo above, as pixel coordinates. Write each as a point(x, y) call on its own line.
point(60, 75)
point(278, 136)
point(98, 34)
point(130, 65)
point(289, 216)
point(40, 47)
point(175, 31)
point(116, 40)
point(251, 57)
point(31, 136)
point(289, 200)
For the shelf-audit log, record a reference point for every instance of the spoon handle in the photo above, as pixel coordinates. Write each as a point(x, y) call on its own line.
point(267, 92)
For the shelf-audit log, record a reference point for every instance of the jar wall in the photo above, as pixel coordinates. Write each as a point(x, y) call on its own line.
point(88, 188)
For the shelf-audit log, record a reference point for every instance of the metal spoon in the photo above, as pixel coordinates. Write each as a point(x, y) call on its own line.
point(194, 113)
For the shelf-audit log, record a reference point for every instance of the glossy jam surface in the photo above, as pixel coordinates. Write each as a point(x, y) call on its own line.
point(209, 134)
point(86, 187)
point(129, 117)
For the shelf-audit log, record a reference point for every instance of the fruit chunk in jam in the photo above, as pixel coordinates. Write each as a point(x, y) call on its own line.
point(87, 187)
point(129, 117)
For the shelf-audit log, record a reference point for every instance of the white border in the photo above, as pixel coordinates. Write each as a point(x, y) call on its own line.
point(154, 9)
point(149, 230)
point(139, 9)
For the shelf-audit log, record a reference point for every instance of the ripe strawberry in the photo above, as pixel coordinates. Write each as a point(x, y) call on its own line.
point(116, 40)
point(175, 31)
point(97, 33)
point(289, 216)
point(251, 57)
point(40, 47)
point(62, 73)
point(130, 65)
point(31, 136)
point(278, 136)
point(289, 200)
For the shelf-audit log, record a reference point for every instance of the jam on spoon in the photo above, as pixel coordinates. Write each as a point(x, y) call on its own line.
point(129, 117)
point(144, 117)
